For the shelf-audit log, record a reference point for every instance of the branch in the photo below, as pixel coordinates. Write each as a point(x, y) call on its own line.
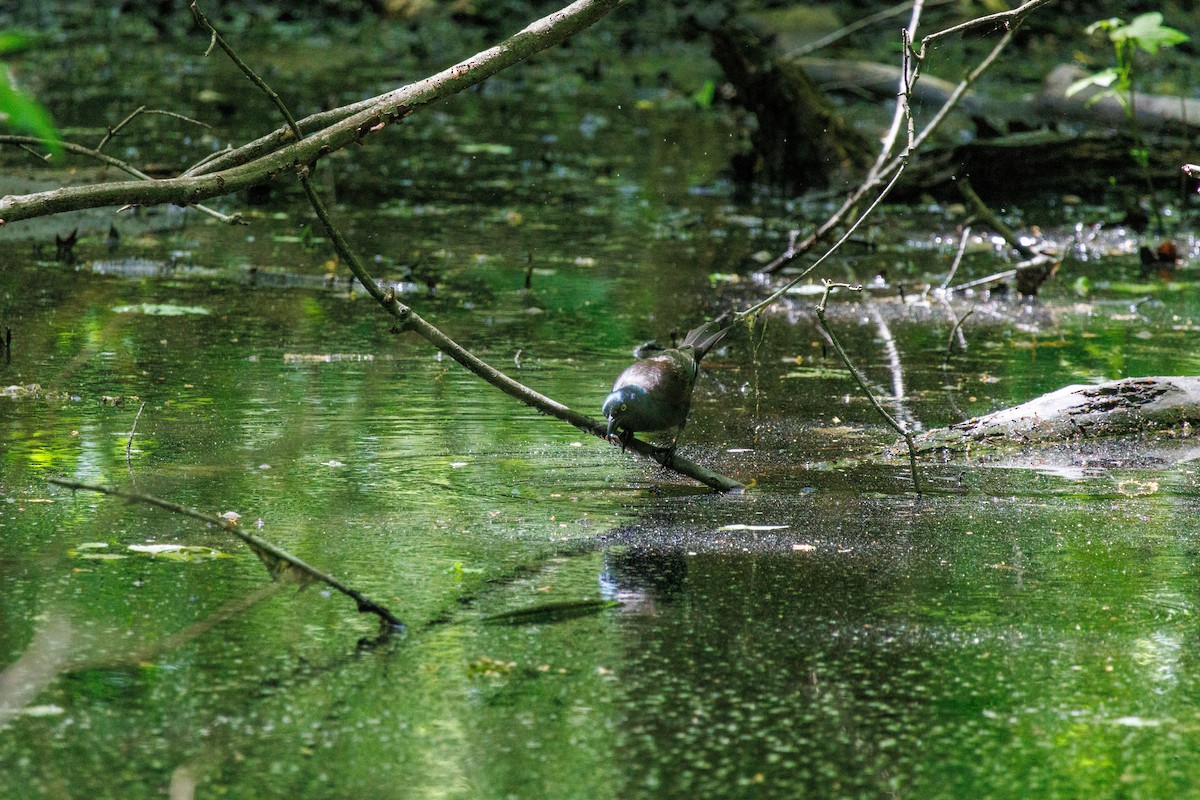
point(883, 172)
point(103, 158)
point(410, 320)
point(1008, 19)
point(862, 385)
point(278, 152)
point(958, 257)
point(143, 110)
point(993, 220)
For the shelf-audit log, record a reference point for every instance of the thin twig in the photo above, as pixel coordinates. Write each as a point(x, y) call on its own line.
point(143, 110)
point(862, 385)
point(1009, 19)
point(993, 220)
point(996, 276)
point(245, 68)
point(908, 76)
point(956, 330)
point(129, 442)
point(781, 291)
point(958, 257)
point(858, 25)
point(35, 153)
point(256, 543)
point(120, 125)
point(1013, 20)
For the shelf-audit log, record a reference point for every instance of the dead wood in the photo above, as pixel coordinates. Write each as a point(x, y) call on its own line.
point(1008, 168)
point(1124, 407)
point(1152, 111)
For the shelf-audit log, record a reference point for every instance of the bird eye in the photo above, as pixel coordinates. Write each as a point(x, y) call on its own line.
point(624, 407)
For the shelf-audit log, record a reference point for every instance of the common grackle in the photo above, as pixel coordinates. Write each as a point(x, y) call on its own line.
point(654, 394)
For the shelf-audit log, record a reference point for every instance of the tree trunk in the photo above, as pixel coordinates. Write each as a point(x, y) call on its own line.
point(799, 142)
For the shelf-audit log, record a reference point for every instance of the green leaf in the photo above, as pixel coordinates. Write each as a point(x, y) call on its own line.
point(1149, 33)
point(26, 114)
point(15, 41)
point(486, 148)
point(1104, 25)
point(160, 309)
point(1103, 79)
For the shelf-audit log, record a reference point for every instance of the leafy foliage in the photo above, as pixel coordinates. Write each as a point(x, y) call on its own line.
point(1146, 32)
point(23, 112)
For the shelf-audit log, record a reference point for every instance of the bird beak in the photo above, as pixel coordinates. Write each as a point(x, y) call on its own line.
point(612, 426)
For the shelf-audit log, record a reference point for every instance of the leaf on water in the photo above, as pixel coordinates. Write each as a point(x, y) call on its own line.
point(1137, 488)
point(1136, 722)
point(178, 552)
point(740, 527)
point(50, 710)
point(160, 309)
point(489, 668)
point(89, 550)
point(486, 148)
point(816, 372)
point(325, 358)
point(551, 612)
point(717, 278)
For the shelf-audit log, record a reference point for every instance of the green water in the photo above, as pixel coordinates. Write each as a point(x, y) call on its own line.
point(1018, 632)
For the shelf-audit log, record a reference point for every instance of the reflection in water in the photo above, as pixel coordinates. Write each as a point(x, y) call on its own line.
point(1027, 633)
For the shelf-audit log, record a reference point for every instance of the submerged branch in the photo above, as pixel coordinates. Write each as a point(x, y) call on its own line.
point(278, 561)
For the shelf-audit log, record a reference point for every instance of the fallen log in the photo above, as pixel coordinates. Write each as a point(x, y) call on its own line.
point(1117, 408)
point(1091, 107)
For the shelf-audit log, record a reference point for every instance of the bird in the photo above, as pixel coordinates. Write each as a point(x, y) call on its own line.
point(655, 393)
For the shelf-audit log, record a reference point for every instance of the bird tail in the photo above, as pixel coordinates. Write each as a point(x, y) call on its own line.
point(705, 337)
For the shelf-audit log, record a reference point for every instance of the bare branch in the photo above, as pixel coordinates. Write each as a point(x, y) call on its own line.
point(888, 170)
point(279, 152)
point(143, 110)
